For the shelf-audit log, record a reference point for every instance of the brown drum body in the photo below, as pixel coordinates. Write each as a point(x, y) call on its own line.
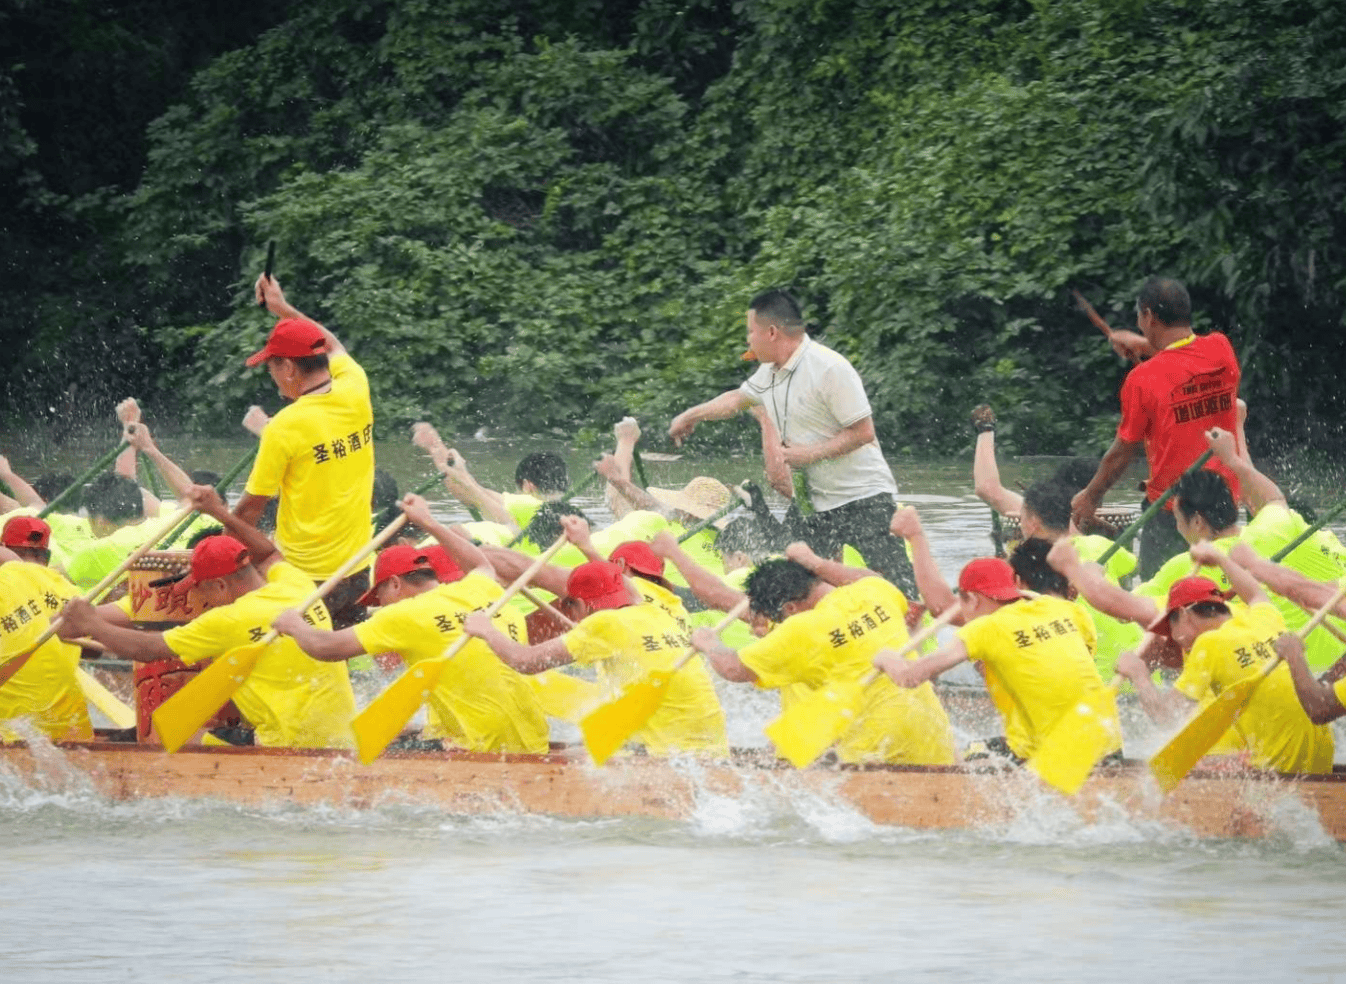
point(157, 608)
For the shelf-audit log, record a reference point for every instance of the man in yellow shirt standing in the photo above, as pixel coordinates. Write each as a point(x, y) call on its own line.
point(1041, 652)
point(43, 688)
point(1221, 647)
point(831, 621)
point(624, 639)
point(317, 454)
point(481, 704)
point(289, 699)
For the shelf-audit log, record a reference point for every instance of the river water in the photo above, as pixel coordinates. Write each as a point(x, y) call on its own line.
point(745, 891)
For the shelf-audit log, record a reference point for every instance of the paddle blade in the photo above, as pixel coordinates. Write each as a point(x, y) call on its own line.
point(105, 700)
point(1198, 736)
point(814, 724)
point(607, 728)
point(387, 714)
point(183, 714)
point(562, 695)
point(1085, 733)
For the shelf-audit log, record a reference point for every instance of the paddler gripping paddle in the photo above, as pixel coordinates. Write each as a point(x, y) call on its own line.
point(1172, 762)
point(607, 728)
point(815, 723)
point(387, 714)
point(183, 714)
point(8, 670)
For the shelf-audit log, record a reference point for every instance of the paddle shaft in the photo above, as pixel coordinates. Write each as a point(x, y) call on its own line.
point(640, 468)
point(733, 615)
point(97, 468)
point(266, 271)
point(543, 605)
point(715, 517)
point(1129, 533)
point(220, 489)
point(1326, 518)
point(917, 640)
point(391, 513)
point(92, 595)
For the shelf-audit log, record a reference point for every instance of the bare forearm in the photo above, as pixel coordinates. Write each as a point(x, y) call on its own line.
point(260, 548)
point(935, 591)
point(723, 407)
point(1163, 707)
point(726, 663)
point(466, 554)
point(1257, 489)
point(843, 442)
point(712, 592)
point(327, 647)
point(634, 494)
point(1290, 583)
point(177, 479)
point(1319, 700)
point(836, 573)
point(133, 644)
point(470, 492)
point(1110, 599)
point(1110, 469)
point(509, 564)
point(986, 478)
point(23, 492)
point(527, 659)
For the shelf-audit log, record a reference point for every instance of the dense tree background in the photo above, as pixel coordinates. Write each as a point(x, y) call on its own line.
point(547, 214)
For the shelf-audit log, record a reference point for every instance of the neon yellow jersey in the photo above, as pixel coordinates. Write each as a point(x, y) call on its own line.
point(69, 533)
point(521, 506)
point(494, 534)
point(45, 690)
point(99, 558)
point(625, 644)
point(835, 642)
point(1271, 529)
point(1041, 651)
point(1275, 728)
point(638, 524)
point(481, 704)
point(317, 454)
point(1115, 636)
point(700, 548)
point(291, 700)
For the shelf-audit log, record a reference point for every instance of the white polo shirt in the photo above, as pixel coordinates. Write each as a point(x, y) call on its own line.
point(810, 399)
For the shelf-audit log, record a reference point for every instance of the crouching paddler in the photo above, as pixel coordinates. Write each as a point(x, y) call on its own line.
point(240, 584)
point(481, 705)
point(625, 638)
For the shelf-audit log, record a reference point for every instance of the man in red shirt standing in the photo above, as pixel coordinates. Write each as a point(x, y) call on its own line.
point(1187, 385)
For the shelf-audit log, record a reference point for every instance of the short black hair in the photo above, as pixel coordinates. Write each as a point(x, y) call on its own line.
point(745, 535)
point(201, 534)
point(1167, 300)
point(1207, 609)
point(385, 492)
point(310, 364)
point(114, 497)
point(545, 526)
point(421, 575)
point(776, 583)
point(545, 469)
point(52, 484)
point(204, 476)
point(778, 307)
point(1206, 494)
point(1029, 561)
point(1050, 502)
point(1076, 473)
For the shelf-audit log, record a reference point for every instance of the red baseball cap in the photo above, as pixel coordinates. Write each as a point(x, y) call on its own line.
point(989, 576)
point(640, 557)
point(215, 556)
point(445, 567)
point(599, 584)
point(292, 338)
point(396, 561)
point(1185, 592)
point(27, 531)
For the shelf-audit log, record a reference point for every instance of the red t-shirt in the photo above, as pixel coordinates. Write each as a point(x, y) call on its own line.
point(1170, 401)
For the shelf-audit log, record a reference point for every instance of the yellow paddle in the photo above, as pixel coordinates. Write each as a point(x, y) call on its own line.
point(383, 720)
point(1083, 735)
point(183, 714)
point(814, 724)
point(606, 728)
point(104, 699)
point(1172, 762)
point(8, 670)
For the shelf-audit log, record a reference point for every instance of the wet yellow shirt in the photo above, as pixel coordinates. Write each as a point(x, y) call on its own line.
point(1042, 653)
point(291, 700)
point(45, 689)
point(317, 454)
point(1270, 530)
point(1273, 724)
point(624, 644)
point(481, 704)
point(835, 642)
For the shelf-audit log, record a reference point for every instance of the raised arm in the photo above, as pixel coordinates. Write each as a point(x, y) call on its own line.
point(935, 591)
point(638, 498)
point(617, 467)
point(458, 480)
point(1093, 584)
point(267, 291)
point(709, 589)
point(462, 551)
point(1258, 490)
point(128, 415)
point(722, 407)
point(985, 469)
point(1287, 582)
point(261, 551)
point(25, 494)
point(139, 437)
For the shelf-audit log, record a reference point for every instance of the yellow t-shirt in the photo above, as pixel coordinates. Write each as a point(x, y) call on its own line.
point(1270, 530)
point(661, 597)
point(835, 642)
point(291, 700)
point(481, 704)
point(98, 558)
point(317, 454)
point(1114, 636)
point(45, 689)
point(625, 644)
point(1273, 724)
point(1041, 651)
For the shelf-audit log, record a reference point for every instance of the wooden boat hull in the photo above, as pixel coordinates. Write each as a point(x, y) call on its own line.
point(1205, 805)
